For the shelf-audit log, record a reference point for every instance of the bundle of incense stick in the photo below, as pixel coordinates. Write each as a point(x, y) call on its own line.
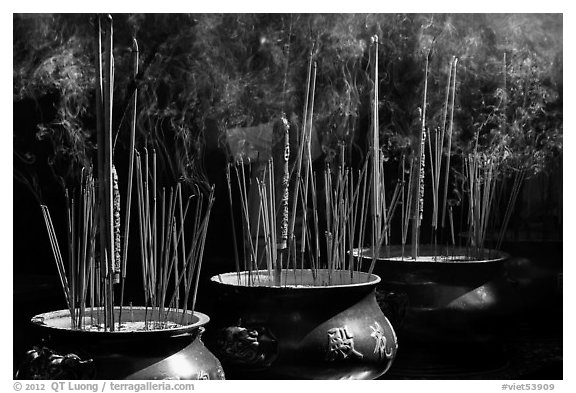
point(436, 147)
point(377, 172)
point(173, 267)
point(267, 222)
point(303, 161)
point(382, 211)
point(387, 210)
point(450, 131)
point(480, 176)
point(519, 176)
point(104, 102)
point(406, 200)
point(344, 228)
point(345, 225)
point(134, 101)
point(346, 200)
point(243, 181)
point(418, 183)
point(167, 263)
point(79, 281)
point(255, 183)
point(281, 155)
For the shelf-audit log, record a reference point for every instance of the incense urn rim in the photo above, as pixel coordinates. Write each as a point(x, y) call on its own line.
point(59, 322)
point(430, 254)
point(298, 279)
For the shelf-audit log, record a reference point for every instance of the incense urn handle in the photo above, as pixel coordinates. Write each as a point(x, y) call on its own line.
point(44, 363)
point(252, 347)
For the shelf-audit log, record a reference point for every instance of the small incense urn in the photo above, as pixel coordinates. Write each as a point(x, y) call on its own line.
point(316, 325)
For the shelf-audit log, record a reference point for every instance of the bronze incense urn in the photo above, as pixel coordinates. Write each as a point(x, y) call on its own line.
point(316, 324)
point(172, 351)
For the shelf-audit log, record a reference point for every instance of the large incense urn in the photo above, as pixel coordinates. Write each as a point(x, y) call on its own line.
point(446, 305)
point(314, 325)
point(139, 351)
point(441, 295)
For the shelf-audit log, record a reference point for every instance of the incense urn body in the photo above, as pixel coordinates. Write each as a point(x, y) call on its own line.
point(443, 294)
point(447, 306)
point(153, 353)
point(315, 325)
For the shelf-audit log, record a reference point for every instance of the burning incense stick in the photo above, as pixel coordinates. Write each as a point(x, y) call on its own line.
point(182, 216)
point(316, 259)
point(418, 195)
point(366, 186)
point(281, 156)
point(106, 176)
point(116, 226)
point(408, 202)
point(58, 258)
point(303, 146)
point(450, 129)
point(130, 176)
point(307, 151)
point(517, 185)
point(81, 236)
point(440, 148)
point(234, 241)
point(71, 266)
point(164, 257)
point(100, 141)
point(375, 147)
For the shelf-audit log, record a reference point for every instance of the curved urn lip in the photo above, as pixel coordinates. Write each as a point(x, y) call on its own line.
point(297, 280)
point(457, 255)
point(58, 322)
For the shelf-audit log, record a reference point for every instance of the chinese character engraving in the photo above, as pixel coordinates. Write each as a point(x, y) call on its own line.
point(380, 348)
point(341, 344)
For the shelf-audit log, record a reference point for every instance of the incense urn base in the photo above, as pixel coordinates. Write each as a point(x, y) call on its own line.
point(315, 325)
point(146, 354)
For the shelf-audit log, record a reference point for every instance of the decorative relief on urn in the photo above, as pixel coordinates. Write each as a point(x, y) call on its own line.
point(44, 363)
point(341, 345)
point(381, 348)
point(240, 345)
